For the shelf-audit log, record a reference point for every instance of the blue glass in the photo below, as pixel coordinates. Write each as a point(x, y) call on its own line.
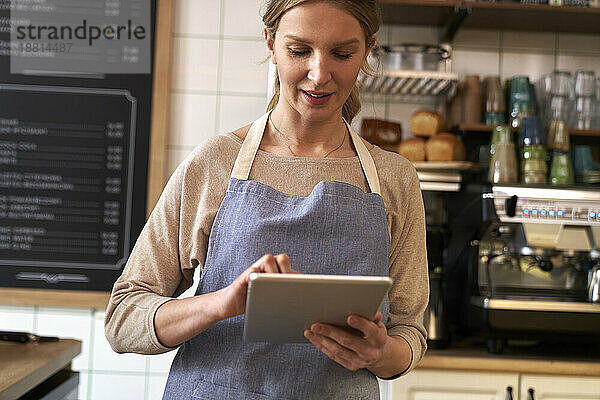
point(532, 131)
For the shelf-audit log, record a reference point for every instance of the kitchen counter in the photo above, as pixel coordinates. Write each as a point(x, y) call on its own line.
point(533, 359)
point(25, 366)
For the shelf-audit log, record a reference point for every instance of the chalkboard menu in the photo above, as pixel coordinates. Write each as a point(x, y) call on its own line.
point(74, 143)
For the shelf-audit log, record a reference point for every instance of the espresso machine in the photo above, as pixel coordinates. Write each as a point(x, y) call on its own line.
point(442, 187)
point(534, 273)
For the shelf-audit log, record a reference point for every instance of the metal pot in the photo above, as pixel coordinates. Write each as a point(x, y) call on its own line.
point(414, 57)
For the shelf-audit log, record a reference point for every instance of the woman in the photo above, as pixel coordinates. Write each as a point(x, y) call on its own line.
point(298, 183)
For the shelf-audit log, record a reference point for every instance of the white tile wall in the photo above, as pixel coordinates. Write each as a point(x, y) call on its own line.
point(107, 360)
point(195, 63)
point(17, 318)
point(578, 43)
point(243, 69)
point(477, 39)
point(242, 18)
point(238, 111)
point(412, 34)
point(533, 65)
point(193, 17)
point(192, 118)
point(482, 62)
point(161, 363)
point(118, 387)
point(156, 387)
point(532, 41)
point(68, 323)
point(574, 62)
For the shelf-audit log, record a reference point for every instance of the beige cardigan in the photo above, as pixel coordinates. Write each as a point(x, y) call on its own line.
point(175, 238)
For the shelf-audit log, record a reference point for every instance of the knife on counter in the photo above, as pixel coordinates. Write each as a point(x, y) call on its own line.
point(24, 337)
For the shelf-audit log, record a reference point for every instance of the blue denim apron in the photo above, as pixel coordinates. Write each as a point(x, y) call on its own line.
point(337, 229)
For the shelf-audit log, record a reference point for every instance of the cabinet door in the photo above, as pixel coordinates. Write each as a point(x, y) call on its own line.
point(453, 385)
point(549, 387)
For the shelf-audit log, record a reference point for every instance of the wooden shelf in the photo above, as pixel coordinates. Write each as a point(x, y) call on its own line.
point(427, 12)
point(465, 127)
point(54, 298)
point(585, 132)
point(489, 128)
point(488, 15)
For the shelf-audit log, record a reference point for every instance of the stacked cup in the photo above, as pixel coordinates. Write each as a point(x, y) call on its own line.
point(561, 170)
point(585, 101)
point(533, 151)
point(503, 164)
point(557, 96)
point(597, 124)
point(495, 106)
point(521, 101)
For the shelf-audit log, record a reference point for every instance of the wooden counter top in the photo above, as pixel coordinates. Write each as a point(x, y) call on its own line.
point(555, 360)
point(24, 366)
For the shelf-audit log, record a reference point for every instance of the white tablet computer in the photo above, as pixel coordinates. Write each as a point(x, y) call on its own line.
point(279, 307)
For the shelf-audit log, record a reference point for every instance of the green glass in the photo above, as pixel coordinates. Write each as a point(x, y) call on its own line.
point(534, 152)
point(500, 134)
point(561, 171)
point(520, 101)
point(520, 89)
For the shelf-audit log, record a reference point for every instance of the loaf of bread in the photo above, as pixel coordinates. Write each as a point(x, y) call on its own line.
point(444, 147)
point(412, 149)
point(427, 123)
point(381, 132)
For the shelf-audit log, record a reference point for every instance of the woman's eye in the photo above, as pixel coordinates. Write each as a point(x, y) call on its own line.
point(345, 56)
point(298, 52)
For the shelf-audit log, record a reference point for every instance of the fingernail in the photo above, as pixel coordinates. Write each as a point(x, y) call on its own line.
point(308, 334)
point(317, 328)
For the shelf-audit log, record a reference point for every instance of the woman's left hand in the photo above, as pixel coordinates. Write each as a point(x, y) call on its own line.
point(351, 350)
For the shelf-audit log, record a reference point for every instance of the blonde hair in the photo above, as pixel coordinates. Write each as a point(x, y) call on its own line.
point(368, 16)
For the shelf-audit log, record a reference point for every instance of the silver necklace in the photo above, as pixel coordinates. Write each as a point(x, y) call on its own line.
point(285, 139)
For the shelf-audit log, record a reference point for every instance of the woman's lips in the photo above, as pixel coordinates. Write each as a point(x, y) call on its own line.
point(316, 101)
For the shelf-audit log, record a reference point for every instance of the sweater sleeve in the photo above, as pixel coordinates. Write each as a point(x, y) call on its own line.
point(151, 276)
point(408, 269)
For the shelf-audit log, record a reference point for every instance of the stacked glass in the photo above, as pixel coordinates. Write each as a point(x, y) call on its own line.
point(585, 101)
point(557, 97)
point(521, 101)
point(503, 160)
point(495, 105)
point(561, 170)
point(597, 121)
point(532, 141)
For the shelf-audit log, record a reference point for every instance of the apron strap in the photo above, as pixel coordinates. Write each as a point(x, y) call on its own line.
point(366, 161)
point(245, 158)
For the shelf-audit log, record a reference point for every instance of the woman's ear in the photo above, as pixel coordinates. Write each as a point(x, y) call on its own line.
point(270, 44)
point(370, 45)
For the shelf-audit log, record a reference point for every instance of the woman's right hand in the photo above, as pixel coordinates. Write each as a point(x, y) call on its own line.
point(233, 297)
